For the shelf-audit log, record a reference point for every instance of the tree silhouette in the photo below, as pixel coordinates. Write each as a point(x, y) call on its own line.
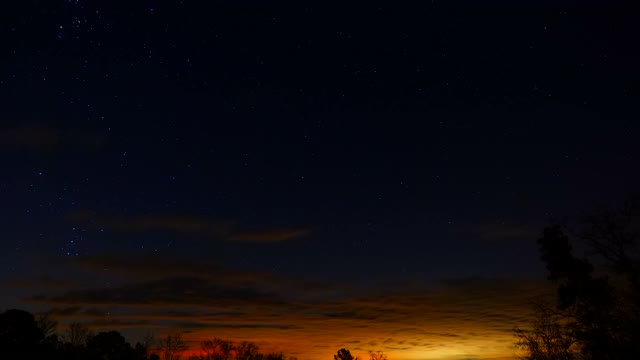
point(19, 333)
point(598, 297)
point(142, 349)
point(274, 356)
point(344, 354)
point(208, 349)
point(246, 350)
point(226, 348)
point(110, 345)
point(46, 323)
point(22, 337)
point(172, 346)
point(216, 349)
point(549, 337)
point(377, 355)
point(77, 334)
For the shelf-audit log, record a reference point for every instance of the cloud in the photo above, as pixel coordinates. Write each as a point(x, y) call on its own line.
point(500, 231)
point(139, 267)
point(269, 235)
point(40, 282)
point(145, 223)
point(351, 315)
point(117, 324)
point(173, 291)
point(35, 138)
point(65, 311)
point(153, 267)
point(471, 315)
point(44, 138)
point(205, 325)
point(212, 228)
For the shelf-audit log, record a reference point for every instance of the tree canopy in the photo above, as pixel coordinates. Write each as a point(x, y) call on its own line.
point(597, 311)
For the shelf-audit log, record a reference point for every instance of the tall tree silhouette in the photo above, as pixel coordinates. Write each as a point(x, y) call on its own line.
point(598, 296)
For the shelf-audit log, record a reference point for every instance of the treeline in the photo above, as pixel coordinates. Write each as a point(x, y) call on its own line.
point(25, 336)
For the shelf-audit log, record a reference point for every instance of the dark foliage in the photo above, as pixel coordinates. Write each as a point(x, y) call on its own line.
point(597, 311)
point(344, 354)
point(23, 336)
point(19, 333)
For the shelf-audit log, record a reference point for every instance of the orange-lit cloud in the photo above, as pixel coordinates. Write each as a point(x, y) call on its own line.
point(218, 229)
point(455, 319)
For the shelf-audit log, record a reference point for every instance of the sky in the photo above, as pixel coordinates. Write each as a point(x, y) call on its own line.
point(307, 176)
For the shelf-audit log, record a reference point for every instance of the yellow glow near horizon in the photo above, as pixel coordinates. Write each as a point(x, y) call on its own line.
point(445, 353)
point(446, 323)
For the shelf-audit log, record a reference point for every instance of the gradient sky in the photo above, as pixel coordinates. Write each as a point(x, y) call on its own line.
point(308, 176)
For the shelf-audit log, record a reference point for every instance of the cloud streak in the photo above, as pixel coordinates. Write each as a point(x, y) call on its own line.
point(34, 138)
point(269, 235)
point(210, 228)
point(40, 282)
point(44, 138)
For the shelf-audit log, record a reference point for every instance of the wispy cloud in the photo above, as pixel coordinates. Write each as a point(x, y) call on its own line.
point(269, 235)
point(143, 223)
point(144, 267)
point(500, 231)
point(45, 282)
point(202, 226)
point(45, 138)
point(171, 291)
point(507, 231)
point(36, 138)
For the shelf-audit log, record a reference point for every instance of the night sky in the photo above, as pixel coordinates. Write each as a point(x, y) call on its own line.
point(307, 175)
